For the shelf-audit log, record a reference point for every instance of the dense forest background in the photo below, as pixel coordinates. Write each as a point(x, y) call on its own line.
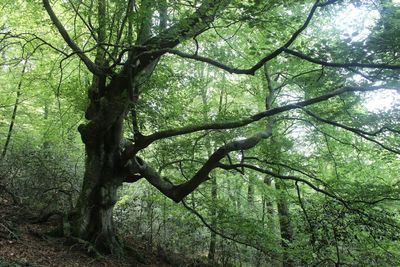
point(211, 132)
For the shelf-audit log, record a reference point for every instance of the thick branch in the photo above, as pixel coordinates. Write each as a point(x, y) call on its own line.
point(256, 117)
point(145, 141)
point(89, 64)
point(177, 193)
point(189, 27)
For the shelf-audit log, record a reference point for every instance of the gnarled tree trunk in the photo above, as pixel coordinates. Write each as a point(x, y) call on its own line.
point(92, 219)
point(116, 76)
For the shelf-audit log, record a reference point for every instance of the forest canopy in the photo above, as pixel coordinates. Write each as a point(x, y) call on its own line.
point(248, 133)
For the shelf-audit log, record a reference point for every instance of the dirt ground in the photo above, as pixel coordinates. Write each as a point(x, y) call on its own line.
point(24, 243)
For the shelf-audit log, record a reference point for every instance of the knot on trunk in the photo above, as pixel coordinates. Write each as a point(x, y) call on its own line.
point(82, 129)
point(88, 138)
point(108, 197)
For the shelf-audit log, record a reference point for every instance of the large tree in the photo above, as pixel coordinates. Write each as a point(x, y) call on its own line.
point(121, 42)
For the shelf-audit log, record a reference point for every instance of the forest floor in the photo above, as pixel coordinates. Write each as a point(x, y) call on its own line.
point(24, 243)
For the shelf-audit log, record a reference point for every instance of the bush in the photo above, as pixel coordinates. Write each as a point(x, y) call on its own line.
point(43, 179)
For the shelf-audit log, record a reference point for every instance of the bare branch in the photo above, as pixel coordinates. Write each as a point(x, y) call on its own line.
point(88, 26)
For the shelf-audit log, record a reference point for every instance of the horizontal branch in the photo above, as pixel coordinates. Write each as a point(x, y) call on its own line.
point(256, 117)
point(292, 168)
point(341, 65)
point(297, 179)
point(145, 141)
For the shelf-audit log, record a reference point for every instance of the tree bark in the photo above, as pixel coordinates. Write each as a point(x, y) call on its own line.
point(92, 219)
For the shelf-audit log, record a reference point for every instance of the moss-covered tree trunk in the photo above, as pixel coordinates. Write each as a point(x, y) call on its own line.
point(117, 73)
point(92, 218)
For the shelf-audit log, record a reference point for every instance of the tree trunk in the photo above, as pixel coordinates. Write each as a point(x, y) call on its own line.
point(285, 225)
point(14, 114)
point(46, 143)
point(113, 89)
point(92, 219)
point(250, 192)
point(270, 221)
point(213, 237)
point(214, 186)
point(10, 129)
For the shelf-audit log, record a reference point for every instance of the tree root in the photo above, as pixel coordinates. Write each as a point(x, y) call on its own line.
point(87, 245)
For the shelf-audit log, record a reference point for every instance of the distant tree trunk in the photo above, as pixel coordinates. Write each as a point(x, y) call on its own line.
point(214, 186)
point(269, 207)
point(46, 143)
point(213, 237)
point(150, 217)
point(14, 114)
point(282, 204)
point(250, 191)
point(285, 224)
point(10, 129)
point(271, 220)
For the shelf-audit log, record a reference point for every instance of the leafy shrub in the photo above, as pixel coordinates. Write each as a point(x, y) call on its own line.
point(42, 178)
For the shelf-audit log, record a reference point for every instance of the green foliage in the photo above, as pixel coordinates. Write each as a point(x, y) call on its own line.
point(43, 179)
point(329, 171)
